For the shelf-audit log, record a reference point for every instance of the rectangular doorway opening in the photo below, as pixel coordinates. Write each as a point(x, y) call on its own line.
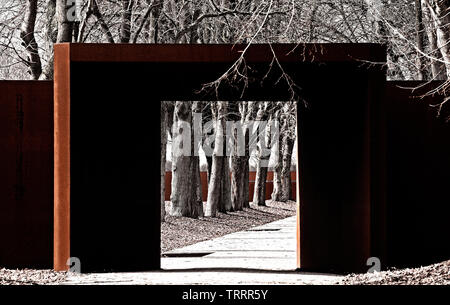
point(228, 185)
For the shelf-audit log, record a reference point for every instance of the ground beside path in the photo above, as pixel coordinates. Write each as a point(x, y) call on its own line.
point(271, 246)
point(177, 232)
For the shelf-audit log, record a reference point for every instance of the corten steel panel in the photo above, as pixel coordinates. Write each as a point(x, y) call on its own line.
point(114, 132)
point(61, 157)
point(26, 174)
point(418, 176)
point(335, 170)
point(226, 53)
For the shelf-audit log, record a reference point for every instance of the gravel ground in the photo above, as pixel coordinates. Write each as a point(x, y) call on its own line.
point(31, 277)
point(177, 232)
point(437, 274)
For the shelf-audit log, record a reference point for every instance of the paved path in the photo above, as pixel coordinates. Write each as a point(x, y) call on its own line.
point(260, 255)
point(268, 247)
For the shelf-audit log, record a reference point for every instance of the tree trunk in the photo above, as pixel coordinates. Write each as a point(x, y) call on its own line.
point(51, 32)
point(103, 25)
point(199, 197)
point(437, 67)
point(286, 186)
point(249, 114)
point(219, 197)
point(29, 41)
point(163, 161)
point(377, 10)
point(196, 180)
point(208, 167)
point(237, 157)
point(440, 13)
point(237, 183)
point(246, 192)
point(214, 188)
point(225, 203)
point(207, 113)
point(65, 26)
point(277, 192)
point(125, 23)
point(420, 35)
point(184, 188)
point(262, 155)
point(154, 20)
point(277, 177)
point(259, 196)
point(287, 141)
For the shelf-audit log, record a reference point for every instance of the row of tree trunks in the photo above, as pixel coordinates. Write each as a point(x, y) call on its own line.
point(228, 184)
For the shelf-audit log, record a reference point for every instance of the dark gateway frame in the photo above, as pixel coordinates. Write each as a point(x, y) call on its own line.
point(106, 162)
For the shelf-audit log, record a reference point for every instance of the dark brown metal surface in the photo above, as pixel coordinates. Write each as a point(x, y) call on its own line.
point(418, 175)
point(226, 53)
point(26, 174)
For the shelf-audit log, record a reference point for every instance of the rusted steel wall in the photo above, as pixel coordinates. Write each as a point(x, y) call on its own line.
point(26, 174)
point(418, 176)
point(251, 186)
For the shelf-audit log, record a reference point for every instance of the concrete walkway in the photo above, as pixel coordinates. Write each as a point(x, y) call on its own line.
point(260, 255)
point(268, 247)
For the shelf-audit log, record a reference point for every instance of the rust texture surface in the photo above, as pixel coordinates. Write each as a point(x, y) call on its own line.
point(418, 175)
point(61, 157)
point(26, 174)
point(226, 53)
